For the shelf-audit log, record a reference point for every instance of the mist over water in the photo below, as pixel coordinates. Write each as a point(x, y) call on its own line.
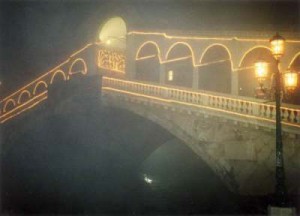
point(98, 164)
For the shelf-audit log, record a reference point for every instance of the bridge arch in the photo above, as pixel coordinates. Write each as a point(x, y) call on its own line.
point(9, 105)
point(178, 130)
point(78, 66)
point(148, 62)
point(180, 64)
point(56, 74)
point(40, 87)
point(247, 83)
point(24, 96)
point(215, 69)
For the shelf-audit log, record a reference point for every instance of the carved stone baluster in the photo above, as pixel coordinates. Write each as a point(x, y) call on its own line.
point(292, 115)
point(297, 116)
point(199, 99)
point(273, 112)
point(229, 104)
point(283, 114)
point(289, 115)
point(268, 111)
point(247, 104)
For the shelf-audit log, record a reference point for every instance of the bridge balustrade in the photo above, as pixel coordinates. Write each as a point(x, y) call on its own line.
point(224, 103)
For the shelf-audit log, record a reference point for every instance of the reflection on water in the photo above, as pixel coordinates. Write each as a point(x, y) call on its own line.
point(182, 183)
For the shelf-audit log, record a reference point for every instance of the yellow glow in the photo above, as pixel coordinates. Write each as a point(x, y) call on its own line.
point(38, 84)
point(7, 115)
point(58, 72)
point(213, 62)
point(183, 43)
point(47, 73)
point(7, 103)
point(243, 68)
point(146, 57)
point(22, 93)
point(170, 75)
point(277, 47)
point(80, 61)
point(80, 50)
point(138, 57)
point(205, 38)
point(293, 59)
point(34, 81)
point(114, 32)
point(261, 70)
point(111, 60)
point(176, 59)
point(251, 49)
point(41, 80)
point(290, 80)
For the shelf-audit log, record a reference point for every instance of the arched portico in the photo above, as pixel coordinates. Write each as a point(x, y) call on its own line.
point(247, 81)
point(215, 69)
point(179, 65)
point(148, 62)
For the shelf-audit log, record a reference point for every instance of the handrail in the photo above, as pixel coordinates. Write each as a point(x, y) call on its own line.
point(246, 108)
point(48, 73)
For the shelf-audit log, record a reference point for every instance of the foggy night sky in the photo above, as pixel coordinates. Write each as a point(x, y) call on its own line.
point(37, 36)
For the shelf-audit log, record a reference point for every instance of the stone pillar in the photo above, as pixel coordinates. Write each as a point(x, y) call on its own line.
point(130, 67)
point(234, 82)
point(162, 74)
point(236, 55)
point(195, 78)
point(92, 60)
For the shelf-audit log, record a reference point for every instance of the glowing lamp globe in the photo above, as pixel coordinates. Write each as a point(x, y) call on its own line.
point(261, 70)
point(277, 46)
point(290, 80)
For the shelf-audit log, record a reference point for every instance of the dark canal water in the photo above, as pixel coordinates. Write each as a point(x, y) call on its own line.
point(110, 162)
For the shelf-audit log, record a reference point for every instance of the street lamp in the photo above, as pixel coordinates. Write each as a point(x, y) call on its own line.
point(261, 72)
point(277, 43)
point(290, 80)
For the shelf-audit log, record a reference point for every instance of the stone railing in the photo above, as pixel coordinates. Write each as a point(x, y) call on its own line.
point(213, 101)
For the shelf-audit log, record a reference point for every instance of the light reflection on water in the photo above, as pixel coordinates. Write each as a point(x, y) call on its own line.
point(181, 183)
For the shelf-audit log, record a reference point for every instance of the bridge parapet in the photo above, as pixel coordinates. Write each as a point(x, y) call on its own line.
point(250, 111)
point(37, 91)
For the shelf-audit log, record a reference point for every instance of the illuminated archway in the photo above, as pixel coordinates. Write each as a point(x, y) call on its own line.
point(179, 65)
point(58, 76)
point(40, 87)
point(78, 66)
point(215, 69)
point(247, 82)
point(9, 105)
point(148, 62)
point(24, 96)
point(113, 33)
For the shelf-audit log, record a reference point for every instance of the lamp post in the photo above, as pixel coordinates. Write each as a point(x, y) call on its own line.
point(277, 47)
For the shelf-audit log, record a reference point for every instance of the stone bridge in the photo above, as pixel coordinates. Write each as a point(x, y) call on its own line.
point(199, 88)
